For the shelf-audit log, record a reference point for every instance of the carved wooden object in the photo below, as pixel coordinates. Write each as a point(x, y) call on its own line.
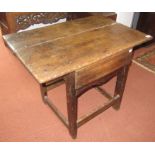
point(24, 21)
point(84, 53)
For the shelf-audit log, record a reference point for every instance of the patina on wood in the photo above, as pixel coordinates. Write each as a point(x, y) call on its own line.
point(83, 53)
point(45, 51)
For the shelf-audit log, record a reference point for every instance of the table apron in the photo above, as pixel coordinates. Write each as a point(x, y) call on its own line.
point(101, 68)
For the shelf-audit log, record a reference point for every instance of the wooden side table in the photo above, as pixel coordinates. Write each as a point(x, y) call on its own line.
point(83, 53)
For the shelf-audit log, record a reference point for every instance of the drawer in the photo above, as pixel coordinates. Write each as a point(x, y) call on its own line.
point(99, 69)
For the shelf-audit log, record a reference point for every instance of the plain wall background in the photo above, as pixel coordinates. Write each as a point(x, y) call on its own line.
point(125, 18)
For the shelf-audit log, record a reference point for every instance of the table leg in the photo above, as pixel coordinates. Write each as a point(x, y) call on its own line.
point(43, 90)
point(120, 85)
point(71, 104)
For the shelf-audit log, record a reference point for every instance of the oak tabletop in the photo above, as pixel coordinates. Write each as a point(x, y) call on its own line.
point(54, 51)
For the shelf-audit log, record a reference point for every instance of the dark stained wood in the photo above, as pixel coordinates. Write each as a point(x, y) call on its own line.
point(76, 15)
point(146, 24)
point(3, 23)
point(56, 111)
point(101, 68)
point(120, 85)
point(47, 101)
point(43, 90)
point(54, 85)
point(83, 53)
point(57, 50)
point(97, 111)
point(111, 15)
point(103, 92)
point(96, 83)
point(71, 104)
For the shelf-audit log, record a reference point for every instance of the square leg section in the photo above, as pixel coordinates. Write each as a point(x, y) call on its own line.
point(120, 85)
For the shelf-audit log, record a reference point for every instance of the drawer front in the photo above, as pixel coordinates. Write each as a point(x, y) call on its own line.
point(99, 69)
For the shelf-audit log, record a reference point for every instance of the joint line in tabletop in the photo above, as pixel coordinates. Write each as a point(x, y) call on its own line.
point(52, 40)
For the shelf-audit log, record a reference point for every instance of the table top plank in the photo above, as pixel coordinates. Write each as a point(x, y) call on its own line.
point(54, 58)
point(45, 34)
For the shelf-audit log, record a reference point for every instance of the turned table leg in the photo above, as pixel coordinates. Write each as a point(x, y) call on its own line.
point(120, 85)
point(71, 104)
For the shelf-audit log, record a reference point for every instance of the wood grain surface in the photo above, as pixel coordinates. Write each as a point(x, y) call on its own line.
point(54, 51)
point(100, 69)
